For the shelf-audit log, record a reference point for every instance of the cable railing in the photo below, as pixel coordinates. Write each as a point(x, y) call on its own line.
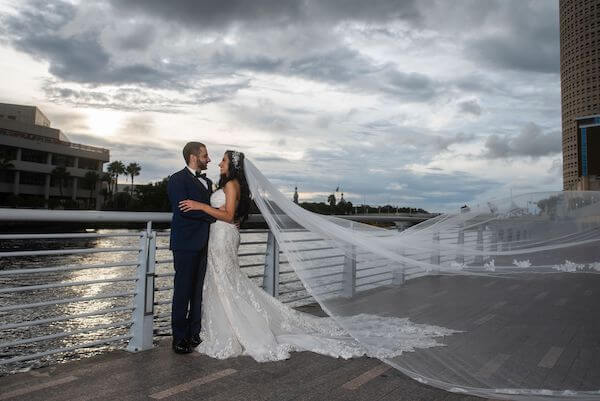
point(69, 293)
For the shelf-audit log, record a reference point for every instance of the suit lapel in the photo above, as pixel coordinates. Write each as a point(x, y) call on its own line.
point(197, 182)
point(210, 186)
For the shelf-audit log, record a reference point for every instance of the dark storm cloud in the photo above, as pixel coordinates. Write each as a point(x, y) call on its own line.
point(83, 58)
point(214, 13)
point(220, 14)
point(348, 67)
point(139, 39)
point(524, 43)
point(443, 142)
point(77, 58)
point(470, 107)
point(527, 40)
point(512, 52)
point(530, 142)
point(387, 134)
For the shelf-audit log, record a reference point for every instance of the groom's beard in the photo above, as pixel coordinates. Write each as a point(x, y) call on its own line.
point(201, 166)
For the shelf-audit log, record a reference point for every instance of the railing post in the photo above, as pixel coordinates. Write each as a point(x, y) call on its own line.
point(399, 275)
point(460, 257)
point(435, 253)
point(143, 314)
point(271, 273)
point(479, 258)
point(349, 275)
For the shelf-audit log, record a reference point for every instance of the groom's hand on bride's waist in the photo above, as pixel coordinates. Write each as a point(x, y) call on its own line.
point(188, 205)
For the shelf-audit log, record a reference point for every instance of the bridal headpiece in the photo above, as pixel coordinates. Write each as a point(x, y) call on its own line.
point(235, 159)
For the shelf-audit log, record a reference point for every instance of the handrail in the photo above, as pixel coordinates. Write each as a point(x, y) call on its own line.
point(151, 301)
point(82, 216)
point(8, 214)
point(67, 251)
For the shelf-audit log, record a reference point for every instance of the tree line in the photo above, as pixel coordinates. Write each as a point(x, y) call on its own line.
point(153, 197)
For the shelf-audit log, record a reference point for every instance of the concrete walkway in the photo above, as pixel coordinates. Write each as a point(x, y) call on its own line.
point(159, 374)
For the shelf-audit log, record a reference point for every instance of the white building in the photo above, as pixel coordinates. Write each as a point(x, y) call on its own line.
point(34, 149)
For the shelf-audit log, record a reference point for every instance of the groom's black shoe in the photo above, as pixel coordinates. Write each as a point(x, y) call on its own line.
point(182, 347)
point(194, 341)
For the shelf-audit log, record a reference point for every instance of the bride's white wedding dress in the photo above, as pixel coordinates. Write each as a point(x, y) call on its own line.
point(239, 318)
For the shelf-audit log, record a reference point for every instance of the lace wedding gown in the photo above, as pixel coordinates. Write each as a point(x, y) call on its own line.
point(239, 318)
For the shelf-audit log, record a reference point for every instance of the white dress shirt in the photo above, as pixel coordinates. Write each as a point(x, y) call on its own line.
point(202, 181)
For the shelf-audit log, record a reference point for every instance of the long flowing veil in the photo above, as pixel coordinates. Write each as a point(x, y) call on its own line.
point(516, 281)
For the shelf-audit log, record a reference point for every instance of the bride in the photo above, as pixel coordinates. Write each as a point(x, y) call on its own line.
point(239, 318)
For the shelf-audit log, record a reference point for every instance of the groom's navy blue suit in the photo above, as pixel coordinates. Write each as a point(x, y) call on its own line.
point(189, 243)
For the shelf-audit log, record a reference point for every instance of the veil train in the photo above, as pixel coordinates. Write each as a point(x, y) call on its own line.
point(516, 280)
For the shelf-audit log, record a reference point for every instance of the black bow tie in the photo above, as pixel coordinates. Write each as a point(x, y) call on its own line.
point(201, 175)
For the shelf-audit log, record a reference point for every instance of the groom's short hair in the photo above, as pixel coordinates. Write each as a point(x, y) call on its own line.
point(191, 148)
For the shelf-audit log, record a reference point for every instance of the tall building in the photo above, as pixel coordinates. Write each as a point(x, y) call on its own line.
point(580, 93)
point(29, 152)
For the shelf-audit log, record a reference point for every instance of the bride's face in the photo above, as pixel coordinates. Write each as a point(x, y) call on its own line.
point(224, 165)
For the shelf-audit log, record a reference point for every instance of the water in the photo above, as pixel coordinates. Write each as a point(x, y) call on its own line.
point(125, 272)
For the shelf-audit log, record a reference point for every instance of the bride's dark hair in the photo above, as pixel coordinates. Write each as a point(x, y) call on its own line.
point(236, 172)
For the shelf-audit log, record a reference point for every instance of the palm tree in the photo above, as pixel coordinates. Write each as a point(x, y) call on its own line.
point(115, 169)
point(90, 180)
point(60, 175)
point(133, 170)
point(5, 163)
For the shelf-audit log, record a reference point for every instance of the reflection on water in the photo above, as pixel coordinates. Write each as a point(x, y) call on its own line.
point(162, 324)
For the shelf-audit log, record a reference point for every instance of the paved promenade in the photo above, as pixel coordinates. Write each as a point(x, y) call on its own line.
point(564, 354)
point(159, 374)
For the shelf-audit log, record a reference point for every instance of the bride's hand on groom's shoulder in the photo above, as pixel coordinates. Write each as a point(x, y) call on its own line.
point(188, 205)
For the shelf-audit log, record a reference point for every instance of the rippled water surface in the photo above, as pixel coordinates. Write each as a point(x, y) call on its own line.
point(122, 282)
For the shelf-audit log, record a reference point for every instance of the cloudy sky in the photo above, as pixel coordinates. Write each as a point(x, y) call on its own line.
point(425, 103)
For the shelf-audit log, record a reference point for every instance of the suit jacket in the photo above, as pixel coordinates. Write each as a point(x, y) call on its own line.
point(189, 230)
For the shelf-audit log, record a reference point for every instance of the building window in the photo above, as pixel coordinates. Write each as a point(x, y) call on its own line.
point(67, 183)
point(11, 117)
point(88, 164)
point(7, 176)
point(34, 156)
point(28, 178)
point(63, 160)
point(8, 152)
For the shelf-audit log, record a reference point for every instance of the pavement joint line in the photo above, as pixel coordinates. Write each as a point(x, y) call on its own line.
point(491, 283)
point(541, 295)
point(484, 319)
point(365, 377)
point(191, 384)
point(551, 357)
point(36, 387)
point(514, 287)
point(587, 293)
point(493, 365)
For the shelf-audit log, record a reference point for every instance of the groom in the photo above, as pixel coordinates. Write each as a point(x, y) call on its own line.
point(189, 243)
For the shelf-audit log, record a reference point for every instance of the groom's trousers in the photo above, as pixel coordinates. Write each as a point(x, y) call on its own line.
point(186, 312)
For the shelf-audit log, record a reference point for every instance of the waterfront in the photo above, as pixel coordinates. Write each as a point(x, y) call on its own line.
point(115, 281)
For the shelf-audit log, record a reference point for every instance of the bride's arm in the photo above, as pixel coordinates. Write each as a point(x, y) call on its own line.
point(225, 213)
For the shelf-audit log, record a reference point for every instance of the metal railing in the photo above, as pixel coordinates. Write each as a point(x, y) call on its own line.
point(115, 289)
point(123, 299)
